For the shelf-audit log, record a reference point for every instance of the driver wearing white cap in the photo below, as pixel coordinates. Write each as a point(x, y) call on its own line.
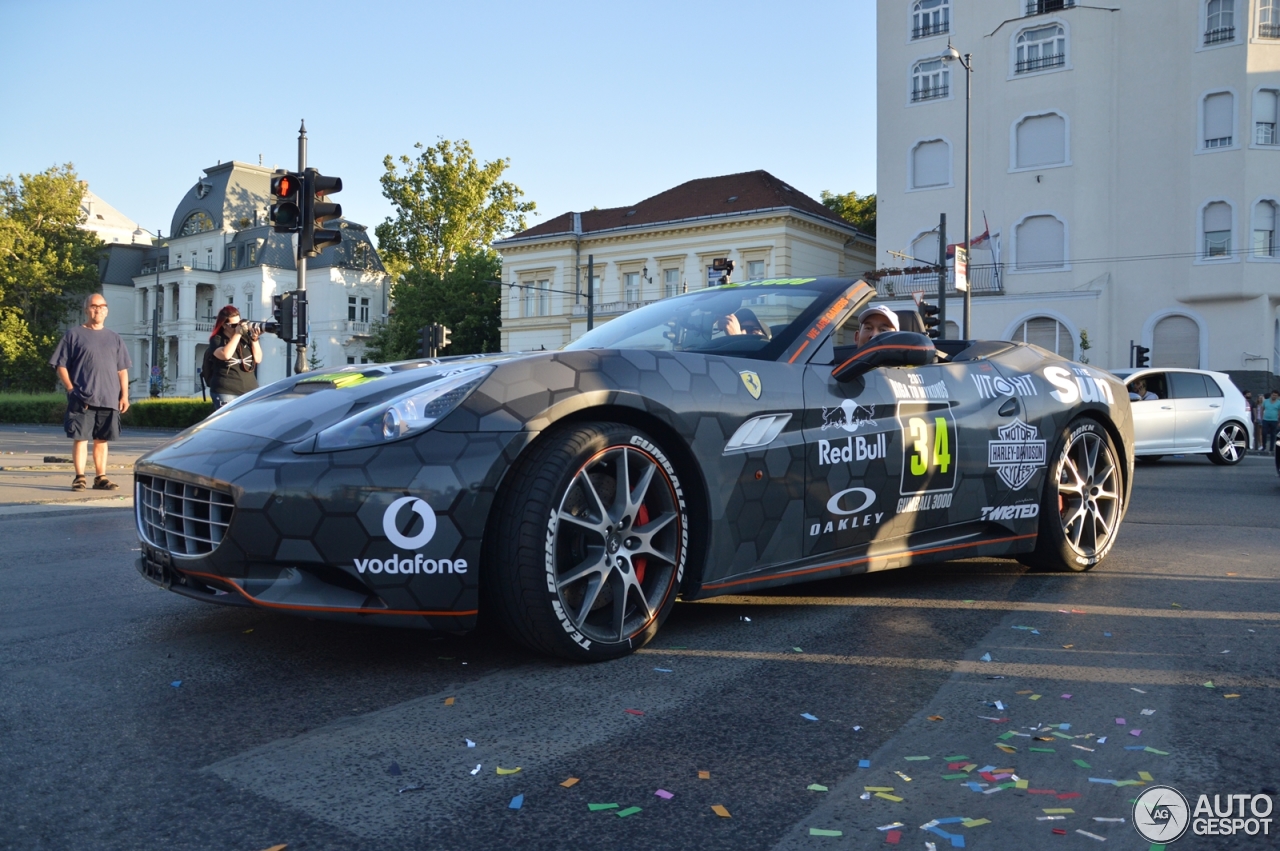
point(874, 321)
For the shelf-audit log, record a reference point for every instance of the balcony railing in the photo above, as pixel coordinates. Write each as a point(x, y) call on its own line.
point(359, 329)
point(205, 326)
point(927, 30)
point(610, 308)
point(1219, 35)
point(986, 279)
point(1264, 133)
point(150, 268)
point(1268, 30)
point(1040, 63)
point(1043, 7)
point(934, 93)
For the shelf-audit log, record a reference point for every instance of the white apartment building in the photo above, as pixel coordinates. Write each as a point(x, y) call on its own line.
point(1126, 157)
point(222, 251)
point(666, 245)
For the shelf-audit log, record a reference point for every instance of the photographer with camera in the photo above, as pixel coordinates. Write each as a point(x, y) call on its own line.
point(232, 357)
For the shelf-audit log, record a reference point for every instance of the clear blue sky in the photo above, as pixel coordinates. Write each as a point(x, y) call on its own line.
point(595, 103)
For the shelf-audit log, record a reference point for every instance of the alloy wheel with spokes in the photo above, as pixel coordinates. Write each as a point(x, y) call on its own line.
point(1230, 444)
point(602, 574)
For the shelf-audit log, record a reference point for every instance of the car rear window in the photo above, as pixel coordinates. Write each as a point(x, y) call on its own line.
point(1189, 385)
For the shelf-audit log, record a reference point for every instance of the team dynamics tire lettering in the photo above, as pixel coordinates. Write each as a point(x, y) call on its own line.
point(592, 543)
point(1083, 501)
point(1230, 444)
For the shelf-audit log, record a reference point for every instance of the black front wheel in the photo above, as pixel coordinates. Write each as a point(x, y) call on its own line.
point(1083, 501)
point(591, 543)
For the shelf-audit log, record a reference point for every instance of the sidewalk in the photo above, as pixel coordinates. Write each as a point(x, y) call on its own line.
point(28, 480)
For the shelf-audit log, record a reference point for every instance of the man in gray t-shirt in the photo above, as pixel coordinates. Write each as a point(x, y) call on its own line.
point(93, 365)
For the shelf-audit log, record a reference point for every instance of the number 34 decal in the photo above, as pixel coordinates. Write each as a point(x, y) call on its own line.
point(928, 440)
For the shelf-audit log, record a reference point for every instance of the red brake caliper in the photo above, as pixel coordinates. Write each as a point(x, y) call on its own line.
point(639, 562)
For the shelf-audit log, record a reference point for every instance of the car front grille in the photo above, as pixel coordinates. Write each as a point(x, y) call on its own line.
point(180, 518)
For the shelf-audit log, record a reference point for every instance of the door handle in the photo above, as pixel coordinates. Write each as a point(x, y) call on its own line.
point(1009, 409)
point(1166, 407)
point(1215, 406)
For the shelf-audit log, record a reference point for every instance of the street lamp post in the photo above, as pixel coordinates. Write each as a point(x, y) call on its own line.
point(966, 62)
point(156, 386)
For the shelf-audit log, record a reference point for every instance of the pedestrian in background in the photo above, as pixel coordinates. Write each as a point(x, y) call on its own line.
point(93, 365)
point(232, 358)
point(1270, 420)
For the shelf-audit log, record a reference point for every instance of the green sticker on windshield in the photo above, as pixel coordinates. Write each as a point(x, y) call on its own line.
point(340, 379)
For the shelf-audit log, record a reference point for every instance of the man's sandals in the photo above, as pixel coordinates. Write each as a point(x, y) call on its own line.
point(79, 483)
point(102, 483)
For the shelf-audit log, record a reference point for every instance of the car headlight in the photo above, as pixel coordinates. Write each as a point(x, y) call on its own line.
point(404, 415)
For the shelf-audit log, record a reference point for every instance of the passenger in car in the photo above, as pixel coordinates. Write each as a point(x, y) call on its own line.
point(744, 321)
point(1138, 392)
point(875, 321)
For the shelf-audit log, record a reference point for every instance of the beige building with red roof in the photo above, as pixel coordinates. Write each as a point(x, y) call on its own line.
point(663, 246)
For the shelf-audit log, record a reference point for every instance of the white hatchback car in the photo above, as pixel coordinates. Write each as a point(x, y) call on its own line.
point(1186, 412)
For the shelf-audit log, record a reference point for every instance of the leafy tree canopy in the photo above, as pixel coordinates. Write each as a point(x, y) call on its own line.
point(464, 300)
point(857, 210)
point(48, 263)
point(447, 204)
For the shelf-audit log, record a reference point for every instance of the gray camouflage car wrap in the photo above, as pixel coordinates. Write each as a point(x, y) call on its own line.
point(898, 466)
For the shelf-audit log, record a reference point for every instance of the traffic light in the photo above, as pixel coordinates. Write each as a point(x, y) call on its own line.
point(1142, 356)
point(299, 318)
point(286, 213)
point(282, 310)
point(316, 212)
point(442, 337)
point(929, 315)
point(424, 342)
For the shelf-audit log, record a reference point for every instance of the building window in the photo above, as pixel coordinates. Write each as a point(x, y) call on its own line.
point(931, 164)
point(197, 222)
point(351, 308)
point(530, 299)
point(631, 282)
point(1264, 229)
point(1217, 230)
point(924, 248)
point(208, 310)
point(755, 270)
point(544, 298)
point(1220, 21)
point(1040, 243)
point(1040, 140)
point(670, 282)
point(930, 17)
point(1047, 333)
point(1041, 48)
point(1175, 342)
point(597, 289)
point(930, 79)
point(1264, 117)
point(1268, 18)
point(360, 255)
point(1219, 109)
point(1041, 7)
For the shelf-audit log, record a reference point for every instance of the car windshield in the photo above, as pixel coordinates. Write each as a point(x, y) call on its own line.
point(759, 319)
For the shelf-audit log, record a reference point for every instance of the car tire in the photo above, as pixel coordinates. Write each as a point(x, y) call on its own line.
point(1230, 444)
point(579, 567)
point(1083, 501)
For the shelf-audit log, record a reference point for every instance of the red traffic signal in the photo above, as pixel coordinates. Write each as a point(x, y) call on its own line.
point(286, 213)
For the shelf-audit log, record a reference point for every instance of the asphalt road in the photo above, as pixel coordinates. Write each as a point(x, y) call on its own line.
point(285, 730)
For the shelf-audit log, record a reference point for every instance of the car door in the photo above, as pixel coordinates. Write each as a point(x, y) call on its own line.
point(1196, 412)
point(1153, 419)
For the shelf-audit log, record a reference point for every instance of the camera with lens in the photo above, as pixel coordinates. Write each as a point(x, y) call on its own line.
point(260, 328)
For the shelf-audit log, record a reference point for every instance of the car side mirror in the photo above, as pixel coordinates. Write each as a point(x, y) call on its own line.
point(897, 348)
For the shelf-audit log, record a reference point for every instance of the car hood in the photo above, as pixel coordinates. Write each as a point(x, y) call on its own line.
point(295, 408)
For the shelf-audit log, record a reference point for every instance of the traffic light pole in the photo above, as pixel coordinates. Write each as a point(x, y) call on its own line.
point(300, 362)
point(942, 276)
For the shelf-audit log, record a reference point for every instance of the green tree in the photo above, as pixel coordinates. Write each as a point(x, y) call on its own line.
point(857, 210)
point(48, 263)
point(465, 300)
point(447, 204)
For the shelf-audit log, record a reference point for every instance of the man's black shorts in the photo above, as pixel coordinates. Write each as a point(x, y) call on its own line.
point(84, 422)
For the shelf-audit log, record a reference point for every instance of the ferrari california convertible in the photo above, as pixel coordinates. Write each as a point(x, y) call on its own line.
point(724, 441)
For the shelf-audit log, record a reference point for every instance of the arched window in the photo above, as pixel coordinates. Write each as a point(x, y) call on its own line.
point(930, 79)
point(1176, 343)
point(930, 17)
point(1264, 229)
point(953, 330)
point(1047, 333)
point(1217, 230)
point(1219, 120)
point(1220, 21)
point(1040, 140)
point(1040, 48)
point(1268, 18)
point(1040, 243)
point(197, 222)
point(931, 164)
